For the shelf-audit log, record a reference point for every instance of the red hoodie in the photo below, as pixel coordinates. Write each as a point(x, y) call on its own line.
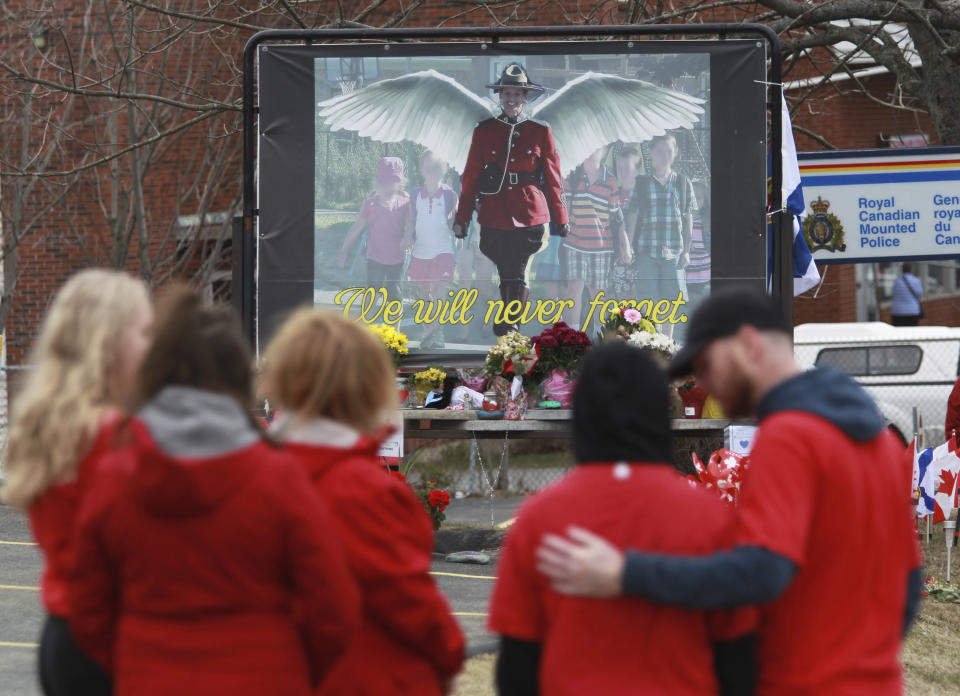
point(409, 642)
point(53, 516)
point(204, 562)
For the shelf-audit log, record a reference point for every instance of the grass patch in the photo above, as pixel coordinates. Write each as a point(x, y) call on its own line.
point(328, 218)
point(931, 653)
point(477, 677)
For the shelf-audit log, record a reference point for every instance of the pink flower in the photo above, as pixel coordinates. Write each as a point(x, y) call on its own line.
point(632, 315)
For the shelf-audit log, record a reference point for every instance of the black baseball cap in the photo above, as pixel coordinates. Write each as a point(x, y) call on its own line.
point(721, 315)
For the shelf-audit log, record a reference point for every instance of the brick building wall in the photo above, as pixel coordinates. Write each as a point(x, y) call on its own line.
point(75, 233)
point(849, 119)
point(68, 222)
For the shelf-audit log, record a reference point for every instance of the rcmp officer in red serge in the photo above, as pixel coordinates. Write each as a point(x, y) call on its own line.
point(512, 178)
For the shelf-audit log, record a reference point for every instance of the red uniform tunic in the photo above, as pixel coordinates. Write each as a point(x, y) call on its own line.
point(53, 516)
point(823, 500)
point(201, 576)
point(524, 149)
point(409, 642)
point(623, 646)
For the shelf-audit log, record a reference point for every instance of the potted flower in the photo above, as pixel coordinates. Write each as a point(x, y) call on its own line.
point(693, 397)
point(561, 350)
point(510, 363)
point(427, 380)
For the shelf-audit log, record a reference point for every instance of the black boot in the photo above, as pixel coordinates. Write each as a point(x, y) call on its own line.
point(511, 290)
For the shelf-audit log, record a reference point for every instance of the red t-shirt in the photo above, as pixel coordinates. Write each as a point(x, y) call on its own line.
point(385, 228)
point(839, 509)
point(621, 646)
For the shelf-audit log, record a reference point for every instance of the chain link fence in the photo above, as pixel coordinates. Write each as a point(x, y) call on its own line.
point(498, 466)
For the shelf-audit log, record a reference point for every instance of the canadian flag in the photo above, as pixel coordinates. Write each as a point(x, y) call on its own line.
point(938, 482)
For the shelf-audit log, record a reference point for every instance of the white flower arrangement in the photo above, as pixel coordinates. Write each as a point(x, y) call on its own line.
point(654, 341)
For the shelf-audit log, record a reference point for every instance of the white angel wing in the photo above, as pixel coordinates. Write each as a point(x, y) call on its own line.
point(426, 107)
point(596, 109)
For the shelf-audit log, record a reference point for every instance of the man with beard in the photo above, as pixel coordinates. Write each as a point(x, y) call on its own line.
point(512, 178)
point(825, 541)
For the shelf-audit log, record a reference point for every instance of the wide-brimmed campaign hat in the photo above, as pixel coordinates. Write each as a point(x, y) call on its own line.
point(515, 76)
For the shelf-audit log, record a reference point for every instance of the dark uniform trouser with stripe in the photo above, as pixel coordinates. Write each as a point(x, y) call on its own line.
point(510, 251)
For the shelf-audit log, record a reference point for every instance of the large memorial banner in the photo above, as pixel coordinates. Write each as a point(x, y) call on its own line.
point(455, 190)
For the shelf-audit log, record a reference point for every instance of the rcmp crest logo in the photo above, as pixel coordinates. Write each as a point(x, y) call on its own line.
point(823, 230)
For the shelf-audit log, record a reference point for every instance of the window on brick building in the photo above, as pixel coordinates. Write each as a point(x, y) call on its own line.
point(938, 278)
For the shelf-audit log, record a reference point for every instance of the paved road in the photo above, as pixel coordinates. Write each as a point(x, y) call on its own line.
point(467, 587)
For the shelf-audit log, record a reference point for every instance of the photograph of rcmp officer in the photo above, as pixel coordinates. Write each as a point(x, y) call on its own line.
point(512, 178)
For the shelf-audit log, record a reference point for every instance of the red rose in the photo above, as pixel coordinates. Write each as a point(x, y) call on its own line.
point(439, 499)
point(399, 475)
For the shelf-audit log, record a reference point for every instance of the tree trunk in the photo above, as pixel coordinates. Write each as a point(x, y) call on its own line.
point(939, 89)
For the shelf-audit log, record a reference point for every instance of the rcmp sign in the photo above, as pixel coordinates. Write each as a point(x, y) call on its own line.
point(870, 205)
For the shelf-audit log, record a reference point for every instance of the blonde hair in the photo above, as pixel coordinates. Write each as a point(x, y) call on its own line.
point(321, 364)
point(74, 377)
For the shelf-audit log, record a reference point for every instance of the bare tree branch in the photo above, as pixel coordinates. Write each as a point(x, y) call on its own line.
point(119, 153)
point(218, 21)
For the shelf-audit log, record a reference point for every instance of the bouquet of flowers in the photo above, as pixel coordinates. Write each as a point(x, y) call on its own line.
point(393, 340)
point(625, 322)
point(561, 348)
point(473, 377)
point(511, 363)
point(513, 355)
point(637, 330)
point(657, 342)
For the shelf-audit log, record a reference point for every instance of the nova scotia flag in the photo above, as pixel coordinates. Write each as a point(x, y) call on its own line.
point(939, 472)
point(805, 274)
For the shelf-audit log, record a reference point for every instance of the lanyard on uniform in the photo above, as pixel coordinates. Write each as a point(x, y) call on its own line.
point(506, 159)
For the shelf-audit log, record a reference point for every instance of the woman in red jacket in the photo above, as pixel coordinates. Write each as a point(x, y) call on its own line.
point(204, 561)
point(83, 367)
point(334, 382)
